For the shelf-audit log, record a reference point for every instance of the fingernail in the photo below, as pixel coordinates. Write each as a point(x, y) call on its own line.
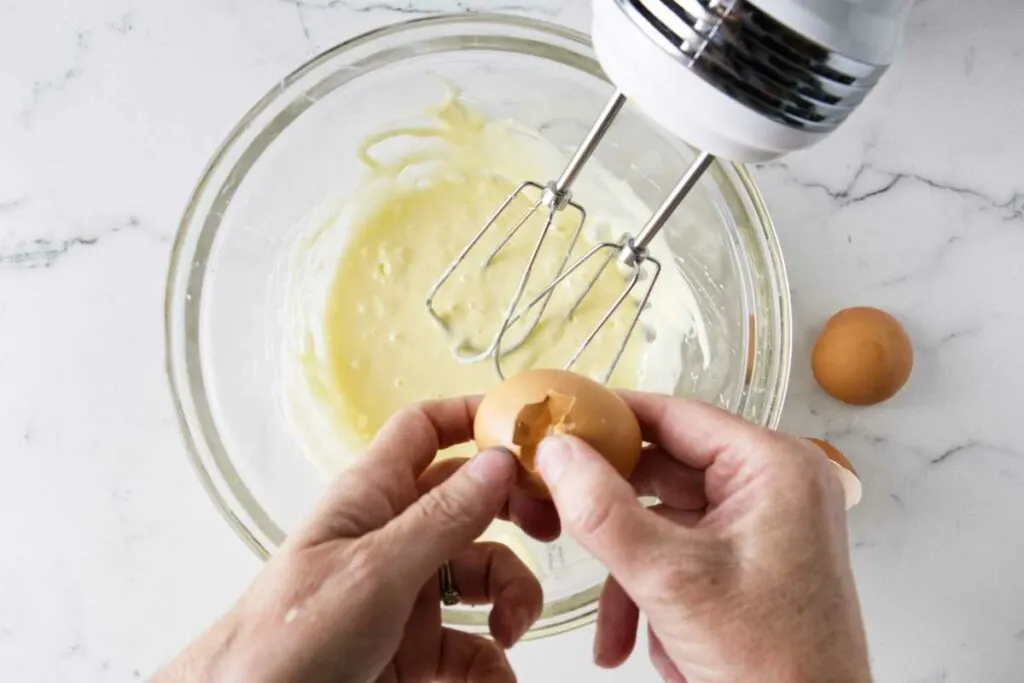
point(553, 455)
point(492, 467)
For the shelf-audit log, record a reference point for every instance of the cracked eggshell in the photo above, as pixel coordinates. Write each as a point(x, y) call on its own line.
point(844, 469)
point(525, 408)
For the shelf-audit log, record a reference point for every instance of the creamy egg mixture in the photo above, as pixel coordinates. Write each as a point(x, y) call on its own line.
point(384, 349)
point(360, 343)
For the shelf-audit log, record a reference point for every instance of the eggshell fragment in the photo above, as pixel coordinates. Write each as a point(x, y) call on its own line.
point(863, 356)
point(524, 409)
point(848, 476)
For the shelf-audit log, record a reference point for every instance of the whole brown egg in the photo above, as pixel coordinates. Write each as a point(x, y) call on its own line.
point(863, 356)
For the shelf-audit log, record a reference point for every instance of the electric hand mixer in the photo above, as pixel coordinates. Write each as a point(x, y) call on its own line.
point(745, 80)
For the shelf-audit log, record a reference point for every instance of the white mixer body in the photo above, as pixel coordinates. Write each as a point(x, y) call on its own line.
point(748, 80)
point(866, 30)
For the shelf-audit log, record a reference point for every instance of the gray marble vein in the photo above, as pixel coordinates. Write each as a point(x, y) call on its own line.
point(868, 182)
point(44, 253)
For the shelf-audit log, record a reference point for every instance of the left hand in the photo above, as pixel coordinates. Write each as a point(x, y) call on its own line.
point(352, 597)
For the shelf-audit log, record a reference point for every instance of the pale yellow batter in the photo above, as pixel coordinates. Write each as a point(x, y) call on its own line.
point(381, 349)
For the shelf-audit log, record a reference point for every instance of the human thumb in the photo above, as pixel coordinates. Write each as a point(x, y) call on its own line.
point(599, 508)
point(451, 515)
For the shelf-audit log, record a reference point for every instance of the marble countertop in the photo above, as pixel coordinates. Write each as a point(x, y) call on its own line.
point(113, 556)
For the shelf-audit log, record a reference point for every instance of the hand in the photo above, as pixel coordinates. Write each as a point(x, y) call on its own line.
point(352, 597)
point(742, 570)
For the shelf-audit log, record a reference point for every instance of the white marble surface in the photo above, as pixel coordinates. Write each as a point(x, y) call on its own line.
point(113, 556)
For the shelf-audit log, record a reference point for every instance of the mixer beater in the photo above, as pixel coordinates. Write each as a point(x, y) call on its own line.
point(746, 80)
point(554, 196)
point(630, 252)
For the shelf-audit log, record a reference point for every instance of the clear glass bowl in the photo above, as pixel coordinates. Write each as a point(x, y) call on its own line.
point(297, 147)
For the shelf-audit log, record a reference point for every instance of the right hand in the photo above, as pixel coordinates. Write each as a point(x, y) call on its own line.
point(742, 570)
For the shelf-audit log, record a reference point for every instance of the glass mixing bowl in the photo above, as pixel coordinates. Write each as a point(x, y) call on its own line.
point(298, 146)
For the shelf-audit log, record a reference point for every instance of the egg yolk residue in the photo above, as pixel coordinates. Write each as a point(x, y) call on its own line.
point(418, 209)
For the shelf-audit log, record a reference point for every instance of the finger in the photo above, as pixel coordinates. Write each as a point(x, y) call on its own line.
point(466, 658)
point(690, 431)
point(618, 616)
point(599, 508)
point(657, 474)
point(409, 441)
point(537, 518)
point(439, 424)
point(685, 518)
point(418, 654)
point(660, 475)
point(490, 573)
point(438, 473)
point(617, 621)
point(450, 516)
point(663, 664)
point(382, 483)
point(731, 451)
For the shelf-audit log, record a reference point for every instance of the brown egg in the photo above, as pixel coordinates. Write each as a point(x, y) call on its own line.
point(863, 356)
point(844, 468)
point(520, 412)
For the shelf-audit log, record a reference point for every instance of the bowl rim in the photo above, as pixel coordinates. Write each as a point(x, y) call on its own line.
point(180, 388)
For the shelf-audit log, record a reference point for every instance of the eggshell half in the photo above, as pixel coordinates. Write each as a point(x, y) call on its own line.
point(852, 486)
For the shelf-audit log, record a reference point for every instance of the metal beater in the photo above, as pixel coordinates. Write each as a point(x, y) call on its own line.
point(733, 79)
point(631, 251)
